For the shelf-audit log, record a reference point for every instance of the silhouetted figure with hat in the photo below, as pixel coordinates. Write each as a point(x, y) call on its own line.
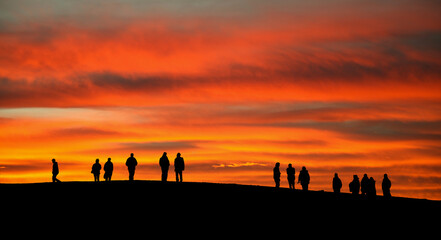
point(96, 169)
point(276, 174)
point(179, 167)
point(364, 184)
point(385, 185)
point(131, 166)
point(371, 190)
point(108, 170)
point(304, 178)
point(291, 175)
point(336, 184)
point(165, 164)
point(354, 186)
point(55, 171)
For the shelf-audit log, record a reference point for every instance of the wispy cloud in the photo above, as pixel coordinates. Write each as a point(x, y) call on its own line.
point(238, 165)
point(158, 146)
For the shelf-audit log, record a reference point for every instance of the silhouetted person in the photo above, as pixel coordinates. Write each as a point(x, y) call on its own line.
point(131, 166)
point(385, 185)
point(354, 186)
point(179, 167)
point(371, 190)
point(108, 170)
point(96, 169)
point(364, 184)
point(165, 164)
point(55, 171)
point(336, 184)
point(291, 175)
point(304, 178)
point(276, 174)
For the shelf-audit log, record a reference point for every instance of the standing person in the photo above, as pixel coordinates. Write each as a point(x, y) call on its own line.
point(385, 185)
point(131, 166)
point(336, 184)
point(55, 171)
point(364, 184)
point(179, 167)
point(276, 174)
point(354, 186)
point(291, 173)
point(304, 178)
point(371, 191)
point(96, 169)
point(108, 170)
point(165, 164)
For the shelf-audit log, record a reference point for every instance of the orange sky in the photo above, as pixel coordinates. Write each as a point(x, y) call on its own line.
point(351, 87)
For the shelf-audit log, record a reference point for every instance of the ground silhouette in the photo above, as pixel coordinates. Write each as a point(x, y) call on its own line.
point(152, 191)
point(190, 208)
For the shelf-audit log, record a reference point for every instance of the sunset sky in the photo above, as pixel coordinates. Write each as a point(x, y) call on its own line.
point(346, 86)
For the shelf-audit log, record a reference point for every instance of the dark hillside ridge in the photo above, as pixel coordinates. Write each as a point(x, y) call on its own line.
point(83, 192)
point(146, 206)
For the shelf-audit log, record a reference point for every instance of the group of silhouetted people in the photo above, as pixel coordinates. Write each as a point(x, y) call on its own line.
point(367, 185)
point(164, 163)
point(131, 164)
point(108, 170)
point(290, 172)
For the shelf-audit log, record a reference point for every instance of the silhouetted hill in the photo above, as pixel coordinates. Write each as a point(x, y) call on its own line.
point(123, 203)
point(157, 193)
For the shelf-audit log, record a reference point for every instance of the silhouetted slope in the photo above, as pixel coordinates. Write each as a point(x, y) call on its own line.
point(191, 191)
point(155, 192)
point(149, 204)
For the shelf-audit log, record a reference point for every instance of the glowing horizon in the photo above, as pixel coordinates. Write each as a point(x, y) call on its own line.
point(351, 87)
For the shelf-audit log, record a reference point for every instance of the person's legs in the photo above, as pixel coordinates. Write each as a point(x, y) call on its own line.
point(277, 181)
point(164, 175)
point(291, 183)
point(178, 176)
point(305, 187)
point(131, 174)
point(54, 178)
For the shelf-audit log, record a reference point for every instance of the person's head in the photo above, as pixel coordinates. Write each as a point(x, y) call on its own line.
point(277, 164)
point(97, 160)
point(303, 168)
point(365, 175)
point(385, 175)
point(179, 154)
point(355, 177)
point(290, 165)
point(53, 160)
point(108, 159)
point(335, 174)
point(164, 154)
point(131, 154)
